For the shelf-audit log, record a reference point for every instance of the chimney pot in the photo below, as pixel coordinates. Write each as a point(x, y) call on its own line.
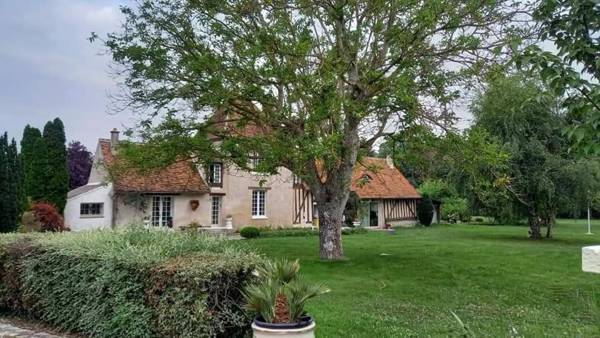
point(114, 138)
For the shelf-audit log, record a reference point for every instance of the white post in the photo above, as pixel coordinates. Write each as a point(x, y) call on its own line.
point(589, 223)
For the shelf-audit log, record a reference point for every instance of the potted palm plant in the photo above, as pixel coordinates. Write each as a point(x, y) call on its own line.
point(277, 298)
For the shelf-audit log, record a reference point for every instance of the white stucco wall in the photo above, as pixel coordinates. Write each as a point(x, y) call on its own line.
point(101, 194)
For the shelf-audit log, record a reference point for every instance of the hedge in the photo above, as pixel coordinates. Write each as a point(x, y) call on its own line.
point(299, 232)
point(133, 283)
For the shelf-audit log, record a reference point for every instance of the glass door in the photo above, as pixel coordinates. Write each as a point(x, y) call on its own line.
point(162, 211)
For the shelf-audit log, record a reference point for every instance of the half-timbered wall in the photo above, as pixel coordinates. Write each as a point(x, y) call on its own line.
point(399, 209)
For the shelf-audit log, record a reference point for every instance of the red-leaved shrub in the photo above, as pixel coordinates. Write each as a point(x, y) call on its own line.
point(48, 217)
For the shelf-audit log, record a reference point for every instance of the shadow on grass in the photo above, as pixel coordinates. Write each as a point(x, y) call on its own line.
point(577, 242)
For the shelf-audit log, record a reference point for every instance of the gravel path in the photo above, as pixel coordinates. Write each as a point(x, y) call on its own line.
point(9, 330)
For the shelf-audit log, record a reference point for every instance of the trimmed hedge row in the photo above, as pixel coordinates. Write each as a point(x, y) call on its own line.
point(252, 232)
point(134, 283)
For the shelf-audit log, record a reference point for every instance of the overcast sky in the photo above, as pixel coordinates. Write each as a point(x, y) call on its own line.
point(49, 69)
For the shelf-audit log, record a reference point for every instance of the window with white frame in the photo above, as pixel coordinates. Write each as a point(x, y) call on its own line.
point(253, 160)
point(162, 211)
point(215, 214)
point(215, 174)
point(258, 203)
point(91, 209)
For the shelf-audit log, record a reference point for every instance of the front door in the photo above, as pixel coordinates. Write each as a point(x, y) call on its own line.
point(373, 214)
point(162, 211)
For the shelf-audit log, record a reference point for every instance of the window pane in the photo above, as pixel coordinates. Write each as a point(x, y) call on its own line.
point(258, 202)
point(216, 210)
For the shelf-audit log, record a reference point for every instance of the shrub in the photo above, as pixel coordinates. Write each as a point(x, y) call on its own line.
point(425, 211)
point(478, 219)
point(42, 216)
point(249, 232)
point(456, 209)
point(132, 283)
point(354, 231)
point(280, 294)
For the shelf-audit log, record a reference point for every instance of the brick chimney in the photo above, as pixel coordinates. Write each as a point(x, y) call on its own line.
point(114, 139)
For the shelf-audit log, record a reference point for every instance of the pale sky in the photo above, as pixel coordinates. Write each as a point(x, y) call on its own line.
point(49, 69)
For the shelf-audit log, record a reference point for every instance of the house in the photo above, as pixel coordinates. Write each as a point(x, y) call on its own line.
point(223, 196)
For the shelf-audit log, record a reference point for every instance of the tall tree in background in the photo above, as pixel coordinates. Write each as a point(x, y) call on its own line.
point(10, 185)
point(57, 175)
point(80, 164)
point(526, 118)
point(319, 80)
point(4, 184)
point(33, 164)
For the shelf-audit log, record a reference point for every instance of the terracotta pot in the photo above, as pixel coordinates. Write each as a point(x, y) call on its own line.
point(303, 329)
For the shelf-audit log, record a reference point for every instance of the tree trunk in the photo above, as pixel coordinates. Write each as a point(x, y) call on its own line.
point(550, 224)
point(535, 231)
point(330, 231)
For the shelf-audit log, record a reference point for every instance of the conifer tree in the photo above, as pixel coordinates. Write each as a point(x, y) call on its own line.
point(4, 189)
point(14, 200)
point(57, 183)
point(31, 138)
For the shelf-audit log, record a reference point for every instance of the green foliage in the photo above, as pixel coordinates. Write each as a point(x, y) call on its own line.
point(526, 118)
point(456, 209)
point(11, 196)
point(249, 232)
point(425, 211)
point(573, 26)
point(56, 185)
point(436, 190)
point(300, 80)
point(130, 283)
point(418, 152)
point(32, 167)
point(279, 285)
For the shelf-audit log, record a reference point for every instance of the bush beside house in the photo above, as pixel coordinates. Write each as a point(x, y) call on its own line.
point(135, 283)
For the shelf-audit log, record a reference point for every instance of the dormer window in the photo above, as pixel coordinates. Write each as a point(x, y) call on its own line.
point(215, 174)
point(253, 160)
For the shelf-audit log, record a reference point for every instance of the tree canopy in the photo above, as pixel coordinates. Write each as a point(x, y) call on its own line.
point(56, 185)
point(80, 164)
point(320, 80)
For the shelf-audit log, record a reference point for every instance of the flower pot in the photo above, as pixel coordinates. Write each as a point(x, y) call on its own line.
point(303, 329)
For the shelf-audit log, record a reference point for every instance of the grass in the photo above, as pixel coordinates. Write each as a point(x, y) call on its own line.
point(452, 280)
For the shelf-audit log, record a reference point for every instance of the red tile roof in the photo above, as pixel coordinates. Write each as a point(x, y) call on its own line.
point(180, 177)
point(374, 178)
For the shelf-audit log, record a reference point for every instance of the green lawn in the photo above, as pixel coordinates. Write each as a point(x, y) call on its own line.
point(497, 281)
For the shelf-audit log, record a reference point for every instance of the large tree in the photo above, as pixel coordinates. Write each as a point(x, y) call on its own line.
point(80, 164)
point(33, 167)
point(526, 118)
point(56, 185)
point(319, 79)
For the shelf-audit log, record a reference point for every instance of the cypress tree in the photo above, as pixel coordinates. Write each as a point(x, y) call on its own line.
point(29, 151)
point(4, 188)
point(14, 201)
point(38, 175)
point(57, 184)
